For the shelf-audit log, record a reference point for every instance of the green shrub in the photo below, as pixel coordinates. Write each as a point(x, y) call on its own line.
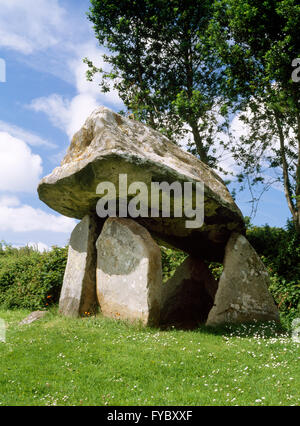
point(287, 297)
point(216, 269)
point(31, 280)
point(171, 259)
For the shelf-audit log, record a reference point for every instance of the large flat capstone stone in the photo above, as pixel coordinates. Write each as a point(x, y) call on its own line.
point(129, 275)
point(243, 294)
point(78, 295)
point(109, 145)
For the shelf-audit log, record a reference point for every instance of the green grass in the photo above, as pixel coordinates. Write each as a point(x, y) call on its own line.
point(97, 361)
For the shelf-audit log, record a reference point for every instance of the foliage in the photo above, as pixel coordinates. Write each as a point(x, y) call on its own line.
point(29, 279)
point(258, 41)
point(287, 296)
point(216, 269)
point(186, 66)
point(162, 66)
point(171, 259)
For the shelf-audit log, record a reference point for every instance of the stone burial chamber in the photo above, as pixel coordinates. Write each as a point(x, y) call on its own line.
point(114, 263)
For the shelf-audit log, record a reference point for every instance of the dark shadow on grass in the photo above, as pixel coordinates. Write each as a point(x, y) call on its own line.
point(266, 330)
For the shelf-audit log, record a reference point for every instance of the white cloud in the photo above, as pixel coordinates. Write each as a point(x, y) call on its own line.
point(56, 107)
point(69, 115)
point(17, 217)
point(51, 39)
point(41, 247)
point(29, 137)
point(225, 158)
point(42, 22)
point(81, 107)
point(20, 169)
point(56, 40)
point(239, 129)
point(8, 201)
point(46, 33)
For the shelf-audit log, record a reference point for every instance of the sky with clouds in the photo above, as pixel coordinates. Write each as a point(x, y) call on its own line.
point(43, 102)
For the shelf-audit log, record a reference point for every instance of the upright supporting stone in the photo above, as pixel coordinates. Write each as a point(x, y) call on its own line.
point(188, 296)
point(129, 274)
point(78, 293)
point(243, 294)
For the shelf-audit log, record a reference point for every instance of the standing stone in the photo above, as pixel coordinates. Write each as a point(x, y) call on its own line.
point(34, 316)
point(243, 294)
point(78, 293)
point(188, 296)
point(129, 274)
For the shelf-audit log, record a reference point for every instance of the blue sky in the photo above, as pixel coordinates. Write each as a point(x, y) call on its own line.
point(43, 102)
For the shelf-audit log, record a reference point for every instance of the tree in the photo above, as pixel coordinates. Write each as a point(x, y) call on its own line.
point(162, 66)
point(258, 41)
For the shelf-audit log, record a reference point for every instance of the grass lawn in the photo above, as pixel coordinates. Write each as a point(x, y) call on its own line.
point(97, 361)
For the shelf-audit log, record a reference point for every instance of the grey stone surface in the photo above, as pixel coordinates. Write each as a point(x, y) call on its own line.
point(108, 145)
point(34, 316)
point(243, 294)
point(129, 276)
point(78, 293)
point(188, 296)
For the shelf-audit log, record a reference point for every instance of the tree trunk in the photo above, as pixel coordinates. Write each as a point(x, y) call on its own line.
point(293, 206)
point(286, 179)
point(190, 86)
point(199, 144)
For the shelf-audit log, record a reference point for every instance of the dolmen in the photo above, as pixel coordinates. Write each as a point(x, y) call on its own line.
point(133, 190)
